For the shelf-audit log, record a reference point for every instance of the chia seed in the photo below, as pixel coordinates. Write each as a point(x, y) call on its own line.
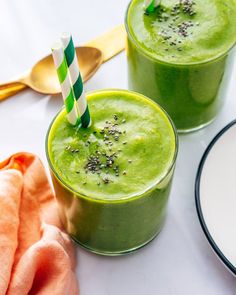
point(115, 117)
point(106, 180)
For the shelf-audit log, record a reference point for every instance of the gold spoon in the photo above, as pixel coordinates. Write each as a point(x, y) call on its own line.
point(43, 78)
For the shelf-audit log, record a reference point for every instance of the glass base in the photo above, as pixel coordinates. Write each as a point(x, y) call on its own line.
point(183, 131)
point(118, 253)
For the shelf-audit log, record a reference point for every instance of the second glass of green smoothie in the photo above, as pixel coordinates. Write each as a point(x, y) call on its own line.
point(112, 180)
point(180, 56)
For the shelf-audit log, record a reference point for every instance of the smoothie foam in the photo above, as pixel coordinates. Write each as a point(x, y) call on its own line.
point(122, 154)
point(196, 31)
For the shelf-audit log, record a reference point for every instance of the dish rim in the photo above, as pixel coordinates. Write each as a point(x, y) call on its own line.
point(200, 214)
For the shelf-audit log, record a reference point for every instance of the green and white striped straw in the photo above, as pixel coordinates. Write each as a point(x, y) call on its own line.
point(150, 5)
point(76, 79)
point(64, 80)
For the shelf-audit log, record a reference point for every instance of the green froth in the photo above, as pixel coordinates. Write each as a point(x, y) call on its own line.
point(145, 149)
point(212, 33)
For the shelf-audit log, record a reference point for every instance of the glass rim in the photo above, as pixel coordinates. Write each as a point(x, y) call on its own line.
point(149, 56)
point(133, 196)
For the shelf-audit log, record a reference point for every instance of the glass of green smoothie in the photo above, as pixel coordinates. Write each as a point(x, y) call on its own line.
point(180, 56)
point(112, 180)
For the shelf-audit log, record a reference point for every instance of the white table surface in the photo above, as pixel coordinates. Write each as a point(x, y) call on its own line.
point(179, 261)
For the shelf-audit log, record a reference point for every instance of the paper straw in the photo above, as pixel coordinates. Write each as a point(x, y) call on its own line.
point(76, 79)
point(150, 5)
point(64, 80)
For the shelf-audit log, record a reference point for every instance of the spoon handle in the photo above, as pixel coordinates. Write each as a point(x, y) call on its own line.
point(111, 43)
point(10, 88)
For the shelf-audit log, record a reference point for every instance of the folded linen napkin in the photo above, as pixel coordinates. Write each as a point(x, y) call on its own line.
point(36, 256)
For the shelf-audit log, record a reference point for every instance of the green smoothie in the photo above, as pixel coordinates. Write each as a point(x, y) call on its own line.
point(178, 55)
point(112, 180)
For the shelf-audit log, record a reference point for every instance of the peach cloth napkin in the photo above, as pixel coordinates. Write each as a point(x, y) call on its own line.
point(36, 257)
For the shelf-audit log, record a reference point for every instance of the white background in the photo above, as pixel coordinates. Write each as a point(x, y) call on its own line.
point(179, 261)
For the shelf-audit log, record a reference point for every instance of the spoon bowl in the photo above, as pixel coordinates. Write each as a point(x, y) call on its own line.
point(43, 77)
